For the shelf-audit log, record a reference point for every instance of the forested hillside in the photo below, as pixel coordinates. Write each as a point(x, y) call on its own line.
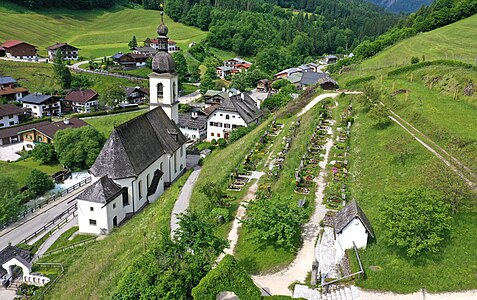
point(438, 14)
point(406, 6)
point(279, 36)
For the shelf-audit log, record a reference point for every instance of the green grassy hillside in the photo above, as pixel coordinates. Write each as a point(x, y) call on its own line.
point(456, 41)
point(96, 33)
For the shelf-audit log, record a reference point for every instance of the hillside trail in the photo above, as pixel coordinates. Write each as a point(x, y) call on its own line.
point(234, 232)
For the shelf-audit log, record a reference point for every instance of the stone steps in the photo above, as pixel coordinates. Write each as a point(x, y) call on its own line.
point(342, 293)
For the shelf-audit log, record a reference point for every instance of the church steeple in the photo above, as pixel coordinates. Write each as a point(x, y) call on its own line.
point(162, 38)
point(163, 82)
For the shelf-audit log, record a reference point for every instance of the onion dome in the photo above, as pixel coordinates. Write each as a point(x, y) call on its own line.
point(162, 30)
point(163, 63)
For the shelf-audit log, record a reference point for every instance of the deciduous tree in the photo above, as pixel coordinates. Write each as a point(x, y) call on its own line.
point(416, 221)
point(44, 153)
point(39, 182)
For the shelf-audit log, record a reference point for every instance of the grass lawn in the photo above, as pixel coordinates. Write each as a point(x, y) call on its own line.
point(106, 124)
point(93, 270)
point(375, 173)
point(39, 77)
point(96, 32)
point(63, 241)
point(188, 88)
point(20, 170)
point(455, 41)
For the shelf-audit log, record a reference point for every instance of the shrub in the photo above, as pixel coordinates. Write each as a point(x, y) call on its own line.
point(39, 182)
point(227, 276)
point(222, 143)
point(414, 60)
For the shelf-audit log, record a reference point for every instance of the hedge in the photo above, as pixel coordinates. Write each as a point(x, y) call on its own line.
point(360, 80)
point(104, 112)
point(227, 276)
point(449, 63)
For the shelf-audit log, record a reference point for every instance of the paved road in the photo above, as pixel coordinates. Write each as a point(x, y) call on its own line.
point(190, 97)
point(17, 232)
point(182, 202)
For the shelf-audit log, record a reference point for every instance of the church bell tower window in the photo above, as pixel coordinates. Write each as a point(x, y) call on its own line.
point(160, 90)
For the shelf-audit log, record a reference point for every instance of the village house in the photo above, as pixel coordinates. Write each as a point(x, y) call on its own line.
point(40, 106)
point(303, 80)
point(19, 49)
point(330, 59)
point(148, 51)
point(193, 125)
point(215, 97)
point(264, 86)
point(286, 73)
point(223, 71)
point(171, 45)
point(82, 101)
point(232, 67)
point(352, 227)
point(10, 90)
point(68, 52)
point(136, 95)
point(140, 157)
point(10, 115)
point(236, 111)
point(11, 135)
point(45, 133)
point(130, 60)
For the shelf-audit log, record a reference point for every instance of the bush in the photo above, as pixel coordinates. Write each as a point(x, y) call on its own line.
point(222, 143)
point(227, 276)
point(44, 153)
point(219, 212)
point(39, 182)
point(414, 60)
point(213, 142)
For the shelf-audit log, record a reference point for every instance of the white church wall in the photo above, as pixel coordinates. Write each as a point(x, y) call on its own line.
point(353, 232)
point(170, 94)
point(92, 217)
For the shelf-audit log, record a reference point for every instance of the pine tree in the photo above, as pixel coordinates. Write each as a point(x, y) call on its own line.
point(61, 70)
point(133, 43)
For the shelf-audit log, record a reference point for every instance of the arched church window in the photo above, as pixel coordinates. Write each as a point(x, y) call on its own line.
point(174, 91)
point(160, 90)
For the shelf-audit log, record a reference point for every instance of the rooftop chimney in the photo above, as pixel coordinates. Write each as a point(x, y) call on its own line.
point(242, 96)
point(66, 121)
point(194, 115)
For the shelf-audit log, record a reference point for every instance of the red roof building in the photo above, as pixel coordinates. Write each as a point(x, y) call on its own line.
point(19, 49)
point(82, 100)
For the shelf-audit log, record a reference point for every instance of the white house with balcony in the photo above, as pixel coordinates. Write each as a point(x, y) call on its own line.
point(140, 157)
point(235, 111)
point(39, 105)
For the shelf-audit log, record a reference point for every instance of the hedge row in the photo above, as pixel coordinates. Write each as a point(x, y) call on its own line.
point(104, 112)
point(360, 80)
point(449, 63)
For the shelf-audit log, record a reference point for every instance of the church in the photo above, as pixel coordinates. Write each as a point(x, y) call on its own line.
point(140, 157)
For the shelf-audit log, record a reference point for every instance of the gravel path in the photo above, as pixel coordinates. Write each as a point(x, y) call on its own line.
point(182, 203)
point(233, 234)
point(277, 284)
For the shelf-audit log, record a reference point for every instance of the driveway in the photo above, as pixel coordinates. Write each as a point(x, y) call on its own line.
point(8, 152)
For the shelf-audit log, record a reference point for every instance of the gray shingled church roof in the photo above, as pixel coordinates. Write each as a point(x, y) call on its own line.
point(136, 144)
point(102, 191)
point(348, 214)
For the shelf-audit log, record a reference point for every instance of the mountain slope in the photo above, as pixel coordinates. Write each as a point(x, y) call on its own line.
point(406, 6)
point(455, 41)
point(96, 32)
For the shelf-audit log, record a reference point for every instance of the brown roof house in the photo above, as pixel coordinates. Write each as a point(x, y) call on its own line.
point(82, 101)
point(19, 49)
point(69, 52)
point(11, 134)
point(10, 89)
point(10, 115)
point(45, 133)
point(136, 95)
